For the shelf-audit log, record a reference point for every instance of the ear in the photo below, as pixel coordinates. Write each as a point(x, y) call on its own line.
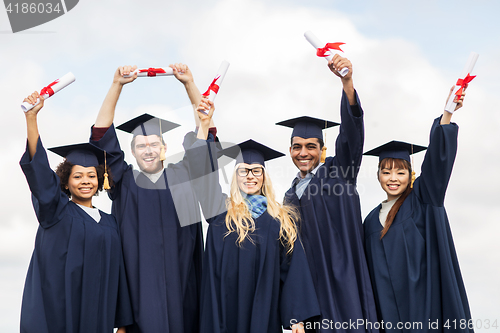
point(133, 152)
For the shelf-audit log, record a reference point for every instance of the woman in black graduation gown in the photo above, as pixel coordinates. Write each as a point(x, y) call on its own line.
point(413, 265)
point(255, 273)
point(76, 278)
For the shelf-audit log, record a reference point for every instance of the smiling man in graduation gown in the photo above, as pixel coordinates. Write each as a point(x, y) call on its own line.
point(331, 225)
point(162, 258)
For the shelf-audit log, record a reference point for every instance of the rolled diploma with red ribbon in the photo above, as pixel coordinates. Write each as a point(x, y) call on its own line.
point(316, 43)
point(151, 72)
point(450, 106)
point(221, 73)
point(213, 89)
point(51, 89)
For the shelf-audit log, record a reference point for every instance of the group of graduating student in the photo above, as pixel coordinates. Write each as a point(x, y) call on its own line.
point(307, 263)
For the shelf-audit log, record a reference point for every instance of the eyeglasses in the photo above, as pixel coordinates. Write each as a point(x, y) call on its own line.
point(243, 172)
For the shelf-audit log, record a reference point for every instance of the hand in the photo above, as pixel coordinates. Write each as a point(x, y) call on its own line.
point(182, 73)
point(205, 104)
point(298, 328)
point(124, 70)
point(32, 99)
point(121, 330)
point(457, 99)
point(337, 63)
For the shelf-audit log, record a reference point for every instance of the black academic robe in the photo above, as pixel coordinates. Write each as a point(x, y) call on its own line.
point(332, 232)
point(162, 259)
point(256, 287)
point(414, 268)
point(76, 278)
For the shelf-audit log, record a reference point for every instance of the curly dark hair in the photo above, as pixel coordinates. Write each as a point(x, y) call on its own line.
point(64, 168)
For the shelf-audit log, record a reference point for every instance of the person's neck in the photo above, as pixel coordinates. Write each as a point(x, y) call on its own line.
point(86, 203)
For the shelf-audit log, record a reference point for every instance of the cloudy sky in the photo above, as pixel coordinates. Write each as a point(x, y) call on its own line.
point(406, 55)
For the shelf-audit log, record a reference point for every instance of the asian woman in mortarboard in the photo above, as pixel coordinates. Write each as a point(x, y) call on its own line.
point(255, 276)
point(410, 251)
point(76, 278)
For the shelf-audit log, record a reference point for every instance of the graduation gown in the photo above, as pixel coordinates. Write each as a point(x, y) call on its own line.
point(414, 268)
point(76, 278)
point(256, 287)
point(332, 231)
point(162, 259)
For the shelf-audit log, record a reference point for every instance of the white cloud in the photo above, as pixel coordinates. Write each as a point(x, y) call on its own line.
point(274, 75)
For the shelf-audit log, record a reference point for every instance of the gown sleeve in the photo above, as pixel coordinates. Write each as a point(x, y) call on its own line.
point(201, 161)
point(115, 158)
point(349, 144)
point(48, 199)
point(298, 301)
point(438, 163)
point(124, 314)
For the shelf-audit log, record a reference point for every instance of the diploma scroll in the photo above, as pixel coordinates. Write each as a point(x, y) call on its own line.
point(213, 89)
point(316, 43)
point(151, 72)
point(462, 82)
point(51, 89)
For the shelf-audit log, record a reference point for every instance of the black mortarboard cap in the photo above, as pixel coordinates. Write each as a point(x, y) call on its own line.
point(251, 152)
point(395, 149)
point(307, 127)
point(84, 154)
point(147, 124)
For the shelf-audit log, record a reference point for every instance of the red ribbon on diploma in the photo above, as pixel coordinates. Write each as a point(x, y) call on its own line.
point(213, 87)
point(48, 90)
point(152, 71)
point(329, 46)
point(463, 83)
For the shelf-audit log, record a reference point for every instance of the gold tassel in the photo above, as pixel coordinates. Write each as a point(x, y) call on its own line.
point(105, 184)
point(162, 153)
point(412, 178)
point(412, 169)
point(323, 154)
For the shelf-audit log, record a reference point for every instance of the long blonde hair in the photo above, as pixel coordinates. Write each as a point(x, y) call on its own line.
point(240, 220)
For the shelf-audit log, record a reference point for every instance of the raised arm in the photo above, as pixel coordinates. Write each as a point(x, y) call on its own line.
point(439, 158)
point(185, 76)
point(335, 65)
point(107, 112)
point(349, 143)
point(446, 118)
point(31, 122)
point(48, 199)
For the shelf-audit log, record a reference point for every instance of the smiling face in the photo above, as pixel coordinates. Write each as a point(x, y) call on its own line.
point(146, 151)
point(250, 184)
point(305, 154)
point(83, 184)
point(394, 178)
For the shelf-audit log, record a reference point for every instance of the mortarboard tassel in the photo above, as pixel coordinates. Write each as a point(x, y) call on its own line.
point(412, 169)
point(162, 149)
point(105, 184)
point(323, 150)
point(323, 154)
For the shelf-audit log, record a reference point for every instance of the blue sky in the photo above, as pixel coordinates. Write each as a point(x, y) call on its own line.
point(406, 55)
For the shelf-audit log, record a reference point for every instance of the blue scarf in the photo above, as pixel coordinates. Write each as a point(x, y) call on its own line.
point(257, 205)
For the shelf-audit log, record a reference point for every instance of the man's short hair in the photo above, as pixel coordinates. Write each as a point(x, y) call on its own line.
point(320, 141)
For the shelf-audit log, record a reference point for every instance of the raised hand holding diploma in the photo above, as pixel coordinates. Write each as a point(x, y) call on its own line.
point(462, 82)
point(327, 50)
point(152, 72)
point(213, 89)
point(51, 89)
